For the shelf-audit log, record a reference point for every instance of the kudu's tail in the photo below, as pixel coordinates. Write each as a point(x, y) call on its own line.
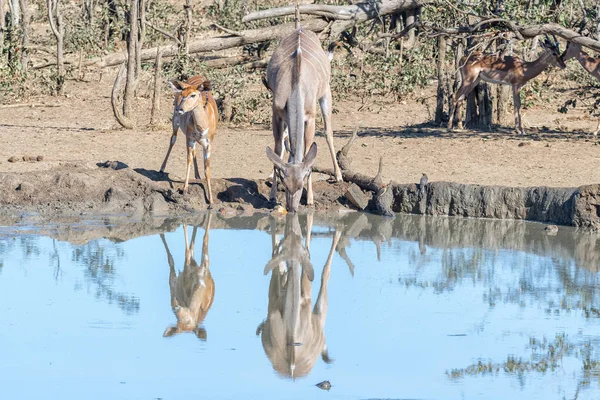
point(296, 107)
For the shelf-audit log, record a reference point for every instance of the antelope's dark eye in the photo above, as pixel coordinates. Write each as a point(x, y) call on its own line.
point(194, 95)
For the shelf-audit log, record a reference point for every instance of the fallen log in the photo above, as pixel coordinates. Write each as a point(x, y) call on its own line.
point(366, 9)
point(205, 45)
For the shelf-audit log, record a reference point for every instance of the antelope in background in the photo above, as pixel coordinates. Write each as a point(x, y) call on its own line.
point(195, 112)
point(298, 75)
point(193, 290)
point(590, 64)
point(293, 335)
point(505, 70)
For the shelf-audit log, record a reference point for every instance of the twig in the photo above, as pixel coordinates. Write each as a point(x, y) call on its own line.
point(29, 105)
point(167, 34)
point(227, 30)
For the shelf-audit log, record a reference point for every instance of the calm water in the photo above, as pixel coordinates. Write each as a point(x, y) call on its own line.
point(409, 308)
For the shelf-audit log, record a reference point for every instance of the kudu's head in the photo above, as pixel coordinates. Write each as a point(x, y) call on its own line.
point(573, 49)
point(292, 175)
point(189, 97)
point(553, 50)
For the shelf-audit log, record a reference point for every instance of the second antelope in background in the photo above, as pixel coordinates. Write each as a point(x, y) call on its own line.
point(195, 112)
point(298, 75)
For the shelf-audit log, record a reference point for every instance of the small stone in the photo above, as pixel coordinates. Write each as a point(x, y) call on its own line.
point(116, 165)
point(355, 195)
point(26, 188)
point(325, 385)
point(246, 209)
point(551, 229)
point(227, 212)
point(158, 205)
point(40, 158)
point(14, 159)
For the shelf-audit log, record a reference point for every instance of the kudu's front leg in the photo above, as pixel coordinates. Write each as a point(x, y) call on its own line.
point(309, 136)
point(191, 148)
point(278, 131)
point(172, 142)
point(326, 105)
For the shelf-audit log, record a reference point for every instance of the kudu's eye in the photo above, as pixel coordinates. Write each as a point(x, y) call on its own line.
point(193, 96)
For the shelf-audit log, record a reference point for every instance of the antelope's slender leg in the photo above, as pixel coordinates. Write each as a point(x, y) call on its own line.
point(171, 144)
point(309, 135)
point(196, 170)
point(517, 109)
point(278, 136)
point(191, 146)
point(467, 85)
point(326, 105)
point(597, 129)
point(206, 150)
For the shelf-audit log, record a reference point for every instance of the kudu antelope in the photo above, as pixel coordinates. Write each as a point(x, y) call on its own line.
point(195, 113)
point(193, 290)
point(298, 75)
point(507, 70)
point(590, 64)
point(293, 335)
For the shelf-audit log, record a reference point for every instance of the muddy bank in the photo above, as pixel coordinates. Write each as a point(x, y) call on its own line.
point(83, 191)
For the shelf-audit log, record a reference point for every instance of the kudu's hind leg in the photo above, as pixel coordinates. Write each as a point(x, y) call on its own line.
point(326, 105)
point(517, 110)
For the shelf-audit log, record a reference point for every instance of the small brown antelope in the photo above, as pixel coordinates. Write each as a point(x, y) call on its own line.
point(590, 64)
point(298, 75)
point(193, 290)
point(293, 335)
point(195, 113)
point(506, 70)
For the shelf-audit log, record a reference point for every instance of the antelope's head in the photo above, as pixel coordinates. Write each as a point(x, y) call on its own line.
point(552, 48)
point(292, 176)
point(188, 97)
point(573, 49)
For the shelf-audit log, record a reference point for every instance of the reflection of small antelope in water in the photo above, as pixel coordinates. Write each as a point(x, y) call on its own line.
point(293, 335)
point(193, 290)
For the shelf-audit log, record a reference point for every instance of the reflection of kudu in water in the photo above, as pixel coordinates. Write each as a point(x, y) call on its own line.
point(293, 335)
point(193, 290)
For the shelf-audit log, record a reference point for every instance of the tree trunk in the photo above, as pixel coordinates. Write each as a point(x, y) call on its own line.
point(15, 13)
point(441, 73)
point(140, 40)
point(2, 25)
point(116, 95)
point(457, 78)
point(157, 85)
point(132, 47)
point(24, 34)
point(58, 28)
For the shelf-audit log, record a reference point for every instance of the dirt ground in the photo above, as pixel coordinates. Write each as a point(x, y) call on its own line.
point(79, 131)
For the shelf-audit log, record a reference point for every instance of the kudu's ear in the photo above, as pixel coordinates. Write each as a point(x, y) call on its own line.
point(176, 85)
point(200, 334)
point(275, 159)
point(170, 331)
point(205, 86)
point(310, 156)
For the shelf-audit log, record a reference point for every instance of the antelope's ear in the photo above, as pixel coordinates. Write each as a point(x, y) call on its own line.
point(170, 331)
point(204, 86)
point(310, 156)
point(200, 334)
point(275, 159)
point(176, 85)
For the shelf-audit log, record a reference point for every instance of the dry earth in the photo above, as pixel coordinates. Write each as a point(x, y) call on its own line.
point(79, 131)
